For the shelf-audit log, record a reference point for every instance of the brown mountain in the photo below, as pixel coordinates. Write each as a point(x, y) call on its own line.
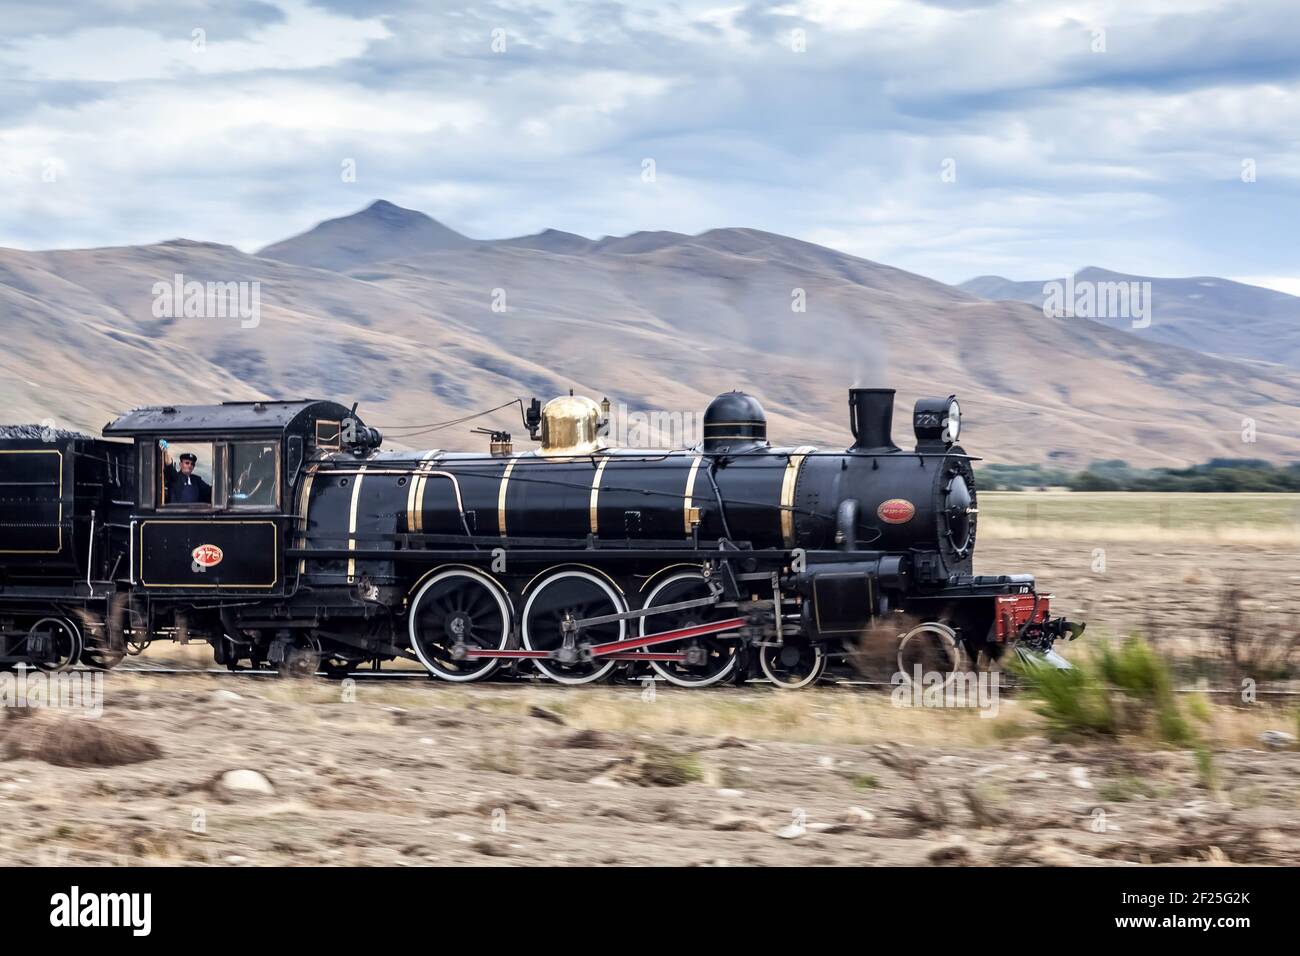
point(656, 321)
point(380, 231)
point(1205, 313)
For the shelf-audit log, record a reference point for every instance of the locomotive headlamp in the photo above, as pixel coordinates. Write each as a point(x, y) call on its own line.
point(952, 428)
point(937, 421)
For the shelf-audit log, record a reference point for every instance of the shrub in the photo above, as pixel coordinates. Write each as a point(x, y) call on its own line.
point(1127, 787)
point(1206, 770)
point(662, 767)
point(77, 742)
point(1073, 701)
point(1119, 690)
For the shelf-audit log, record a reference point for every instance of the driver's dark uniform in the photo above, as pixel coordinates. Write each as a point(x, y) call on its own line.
point(186, 489)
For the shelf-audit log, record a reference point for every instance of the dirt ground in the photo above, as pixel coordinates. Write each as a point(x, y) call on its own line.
point(1169, 592)
point(417, 774)
point(414, 772)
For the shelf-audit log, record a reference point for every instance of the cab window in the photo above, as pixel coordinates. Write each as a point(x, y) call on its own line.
point(329, 435)
point(184, 474)
point(254, 474)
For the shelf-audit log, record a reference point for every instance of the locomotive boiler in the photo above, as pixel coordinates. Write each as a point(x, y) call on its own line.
point(574, 561)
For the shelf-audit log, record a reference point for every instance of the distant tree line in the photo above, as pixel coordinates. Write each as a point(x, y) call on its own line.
point(1218, 474)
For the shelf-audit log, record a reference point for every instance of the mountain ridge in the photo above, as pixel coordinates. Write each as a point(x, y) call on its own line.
point(655, 320)
point(349, 241)
point(1207, 314)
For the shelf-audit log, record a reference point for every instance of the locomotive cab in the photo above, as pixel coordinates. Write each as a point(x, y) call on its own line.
point(215, 491)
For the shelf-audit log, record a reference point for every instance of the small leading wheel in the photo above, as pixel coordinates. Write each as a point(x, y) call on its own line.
point(931, 648)
point(65, 638)
point(709, 658)
point(567, 596)
point(457, 609)
point(105, 647)
point(794, 664)
point(102, 658)
point(301, 660)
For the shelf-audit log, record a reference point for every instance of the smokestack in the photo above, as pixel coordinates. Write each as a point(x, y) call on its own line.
point(871, 417)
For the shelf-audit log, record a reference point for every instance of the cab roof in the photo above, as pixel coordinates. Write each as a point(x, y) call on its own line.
point(223, 418)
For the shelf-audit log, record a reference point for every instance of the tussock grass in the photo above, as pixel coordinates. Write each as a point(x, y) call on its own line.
point(1127, 787)
point(499, 759)
point(662, 767)
point(77, 742)
point(1206, 769)
point(1118, 690)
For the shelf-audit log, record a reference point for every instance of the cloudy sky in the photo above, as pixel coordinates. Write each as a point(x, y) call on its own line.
point(949, 137)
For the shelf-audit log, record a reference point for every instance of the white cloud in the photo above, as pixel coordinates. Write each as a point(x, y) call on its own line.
point(308, 38)
point(1288, 284)
point(1129, 159)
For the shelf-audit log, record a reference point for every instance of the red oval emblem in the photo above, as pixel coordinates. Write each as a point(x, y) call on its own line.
point(207, 555)
point(896, 511)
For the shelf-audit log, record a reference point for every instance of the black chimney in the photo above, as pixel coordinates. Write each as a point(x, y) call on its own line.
point(871, 416)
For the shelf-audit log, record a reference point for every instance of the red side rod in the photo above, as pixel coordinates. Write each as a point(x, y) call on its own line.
point(621, 648)
point(681, 634)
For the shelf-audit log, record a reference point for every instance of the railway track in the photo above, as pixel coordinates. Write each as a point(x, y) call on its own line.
point(146, 667)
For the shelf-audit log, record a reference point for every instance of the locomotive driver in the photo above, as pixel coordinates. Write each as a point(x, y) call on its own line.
point(181, 486)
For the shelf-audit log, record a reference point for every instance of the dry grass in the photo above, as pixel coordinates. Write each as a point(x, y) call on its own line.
point(811, 716)
point(1251, 645)
point(75, 742)
point(822, 716)
point(172, 654)
point(830, 716)
point(661, 767)
point(499, 759)
point(1000, 529)
point(1259, 520)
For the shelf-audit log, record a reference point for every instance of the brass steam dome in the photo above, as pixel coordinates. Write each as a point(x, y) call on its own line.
point(569, 426)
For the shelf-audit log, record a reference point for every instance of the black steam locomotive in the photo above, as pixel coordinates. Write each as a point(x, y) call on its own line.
point(306, 547)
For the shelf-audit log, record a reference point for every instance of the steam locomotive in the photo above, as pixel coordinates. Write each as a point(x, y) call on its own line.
point(315, 549)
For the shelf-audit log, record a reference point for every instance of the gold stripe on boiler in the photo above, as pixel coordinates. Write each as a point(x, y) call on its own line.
point(788, 484)
point(501, 496)
point(352, 522)
point(690, 514)
point(595, 495)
